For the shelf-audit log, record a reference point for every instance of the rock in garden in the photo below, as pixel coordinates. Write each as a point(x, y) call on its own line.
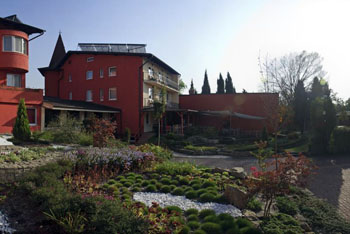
point(236, 196)
point(238, 172)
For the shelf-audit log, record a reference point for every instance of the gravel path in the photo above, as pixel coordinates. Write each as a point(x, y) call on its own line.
point(4, 225)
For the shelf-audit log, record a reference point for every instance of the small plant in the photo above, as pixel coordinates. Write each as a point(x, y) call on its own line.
point(151, 188)
point(178, 192)
point(173, 209)
point(206, 212)
point(21, 129)
point(165, 189)
point(192, 217)
point(280, 224)
point(254, 205)
point(286, 205)
point(193, 225)
point(185, 230)
point(211, 219)
point(71, 223)
point(211, 228)
point(166, 181)
point(191, 211)
point(127, 135)
point(102, 130)
point(207, 197)
point(208, 183)
point(191, 194)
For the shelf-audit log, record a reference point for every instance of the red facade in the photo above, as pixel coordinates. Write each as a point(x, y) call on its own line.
point(13, 67)
point(252, 104)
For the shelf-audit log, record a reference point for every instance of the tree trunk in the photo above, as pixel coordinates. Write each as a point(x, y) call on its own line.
point(158, 132)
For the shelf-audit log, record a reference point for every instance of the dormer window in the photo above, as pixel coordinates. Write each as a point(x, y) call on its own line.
point(14, 44)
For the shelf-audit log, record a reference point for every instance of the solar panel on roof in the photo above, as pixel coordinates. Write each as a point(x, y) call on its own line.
point(122, 48)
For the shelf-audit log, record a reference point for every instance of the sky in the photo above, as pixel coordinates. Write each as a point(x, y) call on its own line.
point(196, 35)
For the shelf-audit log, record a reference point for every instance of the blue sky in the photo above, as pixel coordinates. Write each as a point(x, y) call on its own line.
point(194, 35)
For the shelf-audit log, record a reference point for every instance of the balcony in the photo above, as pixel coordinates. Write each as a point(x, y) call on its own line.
point(170, 84)
point(147, 102)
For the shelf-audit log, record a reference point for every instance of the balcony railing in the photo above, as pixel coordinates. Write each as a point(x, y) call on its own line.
point(147, 102)
point(164, 81)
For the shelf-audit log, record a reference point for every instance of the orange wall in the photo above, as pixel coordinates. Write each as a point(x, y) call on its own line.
point(255, 104)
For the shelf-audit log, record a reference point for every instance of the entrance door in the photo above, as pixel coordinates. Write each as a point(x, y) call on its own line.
point(148, 122)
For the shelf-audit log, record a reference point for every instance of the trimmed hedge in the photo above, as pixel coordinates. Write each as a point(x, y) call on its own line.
point(339, 142)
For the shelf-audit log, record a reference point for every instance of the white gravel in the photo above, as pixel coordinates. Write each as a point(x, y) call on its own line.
point(166, 199)
point(4, 141)
point(4, 225)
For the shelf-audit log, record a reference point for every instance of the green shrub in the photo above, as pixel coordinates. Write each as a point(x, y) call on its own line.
point(251, 230)
point(159, 185)
point(196, 186)
point(151, 188)
point(211, 219)
point(178, 192)
point(65, 130)
point(228, 224)
point(234, 230)
point(173, 208)
point(201, 191)
point(161, 153)
point(211, 228)
point(111, 181)
point(207, 197)
point(242, 222)
point(120, 177)
point(293, 136)
point(280, 224)
point(208, 183)
point(199, 231)
point(174, 182)
point(193, 225)
point(192, 217)
point(254, 205)
point(172, 187)
point(85, 139)
point(221, 199)
point(127, 184)
point(127, 135)
point(225, 216)
point(184, 181)
point(206, 212)
point(286, 205)
point(175, 168)
point(136, 189)
point(165, 189)
point(165, 181)
point(21, 129)
point(145, 183)
point(191, 211)
point(191, 194)
point(185, 230)
point(339, 142)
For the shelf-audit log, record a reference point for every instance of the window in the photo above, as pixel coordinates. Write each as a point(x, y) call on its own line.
point(89, 75)
point(112, 93)
point(88, 95)
point(69, 78)
point(70, 96)
point(32, 116)
point(112, 71)
point(14, 44)
point(150, 72)
point(13, 80)
point(101, 72)
point(160, 76)
point(101, 95)
point(90, 59)
point(150, 93)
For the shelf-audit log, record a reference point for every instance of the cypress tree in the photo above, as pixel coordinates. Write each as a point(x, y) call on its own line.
point(221, 85)
point(205, 87)
point(300, 106)
point(229, 85)
point(316, 89)
point(192, 90)
point(21, 129)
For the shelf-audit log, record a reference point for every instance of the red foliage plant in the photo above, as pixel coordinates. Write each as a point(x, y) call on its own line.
point(103, 130)
point(287, 171)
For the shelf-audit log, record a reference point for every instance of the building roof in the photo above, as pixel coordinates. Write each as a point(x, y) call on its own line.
point(149, 56)
point(58, 53)
point(13, 22)
point(113, 47)
point(72, 105)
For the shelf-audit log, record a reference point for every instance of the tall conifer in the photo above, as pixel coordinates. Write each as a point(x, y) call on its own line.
point(205, 87)
point(229, 85)
point(21, 129)
point(221, 85)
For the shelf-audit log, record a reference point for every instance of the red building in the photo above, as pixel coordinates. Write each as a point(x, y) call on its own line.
point(14, 56)
point(119, 76)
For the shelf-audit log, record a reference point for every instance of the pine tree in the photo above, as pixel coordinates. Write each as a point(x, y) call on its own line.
point(229, 85)
point(221, 85)
point(192, 90)
point(300, 106)
point(205, 87)
point(21, 129)
point(316, 89)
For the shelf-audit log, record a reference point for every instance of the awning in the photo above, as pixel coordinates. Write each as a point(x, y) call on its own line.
point(229, 113)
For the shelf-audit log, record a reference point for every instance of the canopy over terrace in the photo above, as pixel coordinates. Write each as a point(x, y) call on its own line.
point(55, 107)
point(167, 122)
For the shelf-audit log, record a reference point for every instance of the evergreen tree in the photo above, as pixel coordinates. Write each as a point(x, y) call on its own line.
point(229, 85)
point(205, 87)
point(221, 85)
point(316, 89)
point(192, 90)
point(300, 106)
point(21, 129)
point(159, 109)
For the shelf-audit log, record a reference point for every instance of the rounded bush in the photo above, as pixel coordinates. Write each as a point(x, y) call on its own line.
point(195, 181)
point(112, 188)
point(145, 183)
point(206, 175)
point(174, 182)
point(206, 212)
point(154, 175)
point(136, 189)
point(211, 228)
point(193, 225)
point(211, 219)
point(138, 180)
point(233, 230)
point(191, 194)
point(105, 186)
point(120, 177)
point(166, 181)
point(286, 206)
point(118, 184)
point(173, 208)
point(191, 211)
point(177, 192)
point(185, 230)
point(196, 186)
point(208, 183)
point(172, 187)
point(242, 222)
point(153, 181)
point(201, 191)
point(225, 216)
point(150, 188)
point(165, 189)
point(184, 181)
point(127, 184)
point(124, 190)
point(116, 193)
point(111, 182)
point(192, 217)
point(228, 224)
point(250, 230)
point(207, 197)
point(126, 196)
point(137, 177)
point(199, 231)
point(159, 185)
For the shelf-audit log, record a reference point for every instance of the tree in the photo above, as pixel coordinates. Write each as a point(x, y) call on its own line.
point(159, 109)
point(221, 85)
point(316, 89)
point(21, 129)
point(103, 130)
point(300, 106)
point(192, 91)
point(206, 87)
point(182, 86)
point(282, 74)
point(229, 85)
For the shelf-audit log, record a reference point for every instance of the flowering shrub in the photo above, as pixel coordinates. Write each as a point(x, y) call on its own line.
point(288, 171)
point(161, 153)
point(102, 130)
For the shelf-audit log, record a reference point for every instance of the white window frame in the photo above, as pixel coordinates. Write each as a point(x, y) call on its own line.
point(101, 72)
point(90, 59)
point(23, 44)
point(102, 94)
point(14, 80)
point(160, 76)
point(70, 78)
point(150, 93)
point(87, 75)
point(70, 95)
point(109, 71)
point(35, 115)
point(87, 96)
point(150, 72)
point(109, 94)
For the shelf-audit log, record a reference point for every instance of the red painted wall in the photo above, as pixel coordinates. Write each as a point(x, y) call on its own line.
point(256, 104)
point(9, 100)
point(126, 83)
